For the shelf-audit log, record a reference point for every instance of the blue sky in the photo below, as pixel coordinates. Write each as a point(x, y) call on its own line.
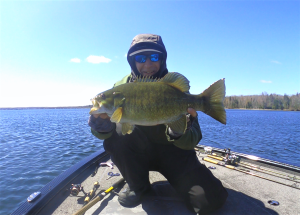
point(254, 45)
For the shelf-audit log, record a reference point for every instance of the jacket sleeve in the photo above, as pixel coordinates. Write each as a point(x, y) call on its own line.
point(190, 138)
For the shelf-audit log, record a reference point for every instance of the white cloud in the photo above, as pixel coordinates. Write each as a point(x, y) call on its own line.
point(97, 59)
point(265, 82)
point(277, 62)
point(75, 60)
point(125, 55)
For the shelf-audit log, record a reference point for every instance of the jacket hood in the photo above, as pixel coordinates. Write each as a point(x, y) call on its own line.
point(147, 42)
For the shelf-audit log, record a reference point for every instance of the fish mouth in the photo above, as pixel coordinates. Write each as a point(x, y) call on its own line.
point(96, 107)
point(93, 110)
point(99, 108)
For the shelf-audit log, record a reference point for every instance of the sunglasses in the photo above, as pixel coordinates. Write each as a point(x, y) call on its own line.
point(142, 58)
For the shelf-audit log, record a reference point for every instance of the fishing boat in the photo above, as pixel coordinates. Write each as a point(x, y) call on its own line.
point(255, 186)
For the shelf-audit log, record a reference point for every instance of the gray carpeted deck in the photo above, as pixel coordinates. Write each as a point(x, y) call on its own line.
point(247, 195)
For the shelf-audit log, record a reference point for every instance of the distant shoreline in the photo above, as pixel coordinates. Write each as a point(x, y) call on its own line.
point(65, 107)
point(90, 106)
point(258, 109)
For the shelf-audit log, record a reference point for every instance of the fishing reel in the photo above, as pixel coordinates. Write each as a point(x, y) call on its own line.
point(76, 188)
point(208, 150)
point(230, 159)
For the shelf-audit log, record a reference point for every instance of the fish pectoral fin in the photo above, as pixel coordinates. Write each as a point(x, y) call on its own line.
point(179, 126)
point(127, 128)
point(117, 115)
point(177, 80)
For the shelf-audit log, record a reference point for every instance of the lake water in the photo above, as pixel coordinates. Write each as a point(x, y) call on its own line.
point(39, 144)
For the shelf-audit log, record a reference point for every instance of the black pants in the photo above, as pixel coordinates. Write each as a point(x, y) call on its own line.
point(135, 156)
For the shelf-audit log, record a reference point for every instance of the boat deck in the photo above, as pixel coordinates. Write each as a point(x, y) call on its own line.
point(247, 194)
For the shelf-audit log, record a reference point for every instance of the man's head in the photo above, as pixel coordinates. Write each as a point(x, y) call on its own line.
point(147, 56)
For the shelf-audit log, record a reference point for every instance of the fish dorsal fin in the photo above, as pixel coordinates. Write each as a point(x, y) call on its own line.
point(146, 79)
point(176, 80)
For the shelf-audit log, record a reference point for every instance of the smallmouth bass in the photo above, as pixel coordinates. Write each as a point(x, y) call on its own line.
point(150, 102)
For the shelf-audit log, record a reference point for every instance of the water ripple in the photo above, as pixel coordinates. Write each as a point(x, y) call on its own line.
point(38, 145)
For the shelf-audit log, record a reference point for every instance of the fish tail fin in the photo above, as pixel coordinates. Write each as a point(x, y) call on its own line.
point(211, 101)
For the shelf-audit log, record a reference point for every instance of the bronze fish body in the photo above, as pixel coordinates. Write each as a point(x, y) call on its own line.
point(151, 102)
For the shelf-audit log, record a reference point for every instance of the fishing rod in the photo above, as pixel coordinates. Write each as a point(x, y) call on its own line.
point(257, 168)
point(269, 173)
point(249, 173)
point(99, 197)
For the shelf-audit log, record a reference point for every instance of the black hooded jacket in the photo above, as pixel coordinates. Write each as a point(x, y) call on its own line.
point(159, 133)
point(147, 41)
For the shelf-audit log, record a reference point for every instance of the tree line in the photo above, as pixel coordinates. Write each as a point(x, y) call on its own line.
point(264, 101)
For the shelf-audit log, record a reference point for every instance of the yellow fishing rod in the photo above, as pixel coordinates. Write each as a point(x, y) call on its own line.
point(249, 173)
point(99, 197)
point(217, 157)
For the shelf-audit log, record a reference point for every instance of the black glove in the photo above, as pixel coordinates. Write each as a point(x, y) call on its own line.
point(100, 125)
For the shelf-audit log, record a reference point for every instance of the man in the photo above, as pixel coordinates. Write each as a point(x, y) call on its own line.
point(158, 148)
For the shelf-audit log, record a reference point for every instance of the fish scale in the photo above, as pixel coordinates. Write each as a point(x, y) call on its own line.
point(149, 102)
point(158, 106)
